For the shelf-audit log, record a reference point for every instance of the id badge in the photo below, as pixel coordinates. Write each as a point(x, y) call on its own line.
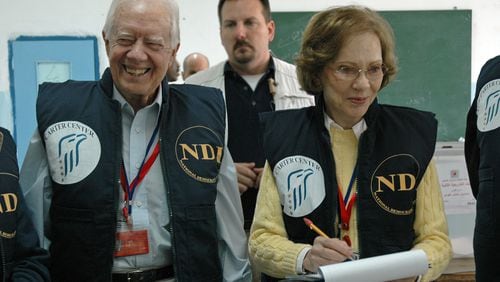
point(131, 243)
point(132, 238)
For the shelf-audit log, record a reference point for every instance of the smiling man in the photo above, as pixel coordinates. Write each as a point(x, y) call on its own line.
point(118, 174)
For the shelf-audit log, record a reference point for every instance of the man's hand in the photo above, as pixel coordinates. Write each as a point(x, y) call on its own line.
point(326, 251)
point(248, 176)
point(258, 171)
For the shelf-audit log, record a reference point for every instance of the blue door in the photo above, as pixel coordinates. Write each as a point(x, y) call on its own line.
point(34, 60)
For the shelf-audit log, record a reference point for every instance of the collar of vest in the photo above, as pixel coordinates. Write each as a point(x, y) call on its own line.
point(106, 84)
point(370, 115)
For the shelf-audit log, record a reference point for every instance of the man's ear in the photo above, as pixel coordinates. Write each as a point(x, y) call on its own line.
point(174, 51)
point(106, 42)
point(271, 28)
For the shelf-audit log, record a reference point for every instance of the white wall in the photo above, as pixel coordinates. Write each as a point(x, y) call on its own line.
point(200, 28)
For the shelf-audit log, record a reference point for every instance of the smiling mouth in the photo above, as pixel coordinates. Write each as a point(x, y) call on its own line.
point(136, 72)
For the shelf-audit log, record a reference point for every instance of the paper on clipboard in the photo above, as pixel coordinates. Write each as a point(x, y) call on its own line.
point(379, 268)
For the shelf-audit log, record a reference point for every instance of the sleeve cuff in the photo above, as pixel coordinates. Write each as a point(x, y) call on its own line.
point(299, 268)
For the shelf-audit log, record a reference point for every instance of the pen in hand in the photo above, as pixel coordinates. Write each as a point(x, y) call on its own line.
point(315, 228)
point(318, 231)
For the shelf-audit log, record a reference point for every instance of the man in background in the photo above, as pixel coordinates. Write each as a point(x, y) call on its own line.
point(193, 63)
point(253, 82)
point(128, 176)
point(482, 155)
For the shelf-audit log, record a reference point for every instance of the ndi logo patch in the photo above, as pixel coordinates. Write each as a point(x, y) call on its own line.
point(301, 185)
point(394, 183)
point(199, 152)
point(73, 151)
point(488, 106)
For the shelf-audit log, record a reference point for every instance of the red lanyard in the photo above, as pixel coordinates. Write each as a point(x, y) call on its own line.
point(146, 165)
point(346, 203)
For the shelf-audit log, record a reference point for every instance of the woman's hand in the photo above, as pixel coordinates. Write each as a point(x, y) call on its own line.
point(326, 251)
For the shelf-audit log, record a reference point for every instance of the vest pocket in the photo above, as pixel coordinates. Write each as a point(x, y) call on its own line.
point(73, 242)
point(197, 249)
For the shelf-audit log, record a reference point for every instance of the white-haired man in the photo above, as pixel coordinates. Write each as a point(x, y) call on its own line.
point(129, 177)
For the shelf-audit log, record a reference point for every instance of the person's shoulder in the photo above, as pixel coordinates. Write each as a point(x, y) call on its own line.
point(4, 131)
point(208, 75)
point(198, 91)
point(492, 62)
point(193, 88)
point(408, 116)
point(405, 110)
point(6, 139)
point(489, 72)
point(8, 159)
point(67, 88)
point(284, 67)
point(287, 114)
point(69, 83)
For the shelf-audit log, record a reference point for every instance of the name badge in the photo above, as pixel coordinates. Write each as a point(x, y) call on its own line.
point(131, 243)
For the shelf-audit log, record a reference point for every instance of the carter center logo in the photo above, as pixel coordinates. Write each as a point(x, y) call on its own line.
point(300, 184)
point(73, 151)
point(199, 152)
point(488, 106)
point(393, 184)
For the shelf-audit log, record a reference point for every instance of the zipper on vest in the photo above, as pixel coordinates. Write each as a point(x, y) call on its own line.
point(170, 214)
point(358, 161)
point(336, 230)
point(119, 158)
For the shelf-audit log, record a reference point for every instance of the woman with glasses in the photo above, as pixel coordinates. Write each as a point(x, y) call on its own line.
point(360, 170)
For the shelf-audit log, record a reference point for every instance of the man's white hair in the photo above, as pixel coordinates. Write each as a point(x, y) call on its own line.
point(170, 5)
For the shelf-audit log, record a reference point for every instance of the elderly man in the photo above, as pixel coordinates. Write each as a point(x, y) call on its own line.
point(129, 176)
point(193, 63)
point(253, 82)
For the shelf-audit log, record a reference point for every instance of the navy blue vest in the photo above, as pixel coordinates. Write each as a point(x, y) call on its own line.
point(393, 155)
point(20, 255)
point(83, 214)
point(482, 154)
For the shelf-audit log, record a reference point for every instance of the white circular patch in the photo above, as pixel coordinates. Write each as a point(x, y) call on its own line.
point(73, 151)
point(301, 185)
point(488, 106)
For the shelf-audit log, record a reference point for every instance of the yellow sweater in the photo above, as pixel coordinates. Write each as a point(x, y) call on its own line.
point(272, 252)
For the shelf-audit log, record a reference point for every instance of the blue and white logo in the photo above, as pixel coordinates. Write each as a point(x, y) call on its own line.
point(297, 186)
point(300, 184)
point(488, 106)
point(69, 151)
point(73, 151)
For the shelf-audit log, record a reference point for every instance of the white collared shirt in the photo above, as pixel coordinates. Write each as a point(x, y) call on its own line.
point(358, 128)
point(149, 202)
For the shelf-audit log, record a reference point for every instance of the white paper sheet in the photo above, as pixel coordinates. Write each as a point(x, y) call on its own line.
point(455, 186)
point(378, 269)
